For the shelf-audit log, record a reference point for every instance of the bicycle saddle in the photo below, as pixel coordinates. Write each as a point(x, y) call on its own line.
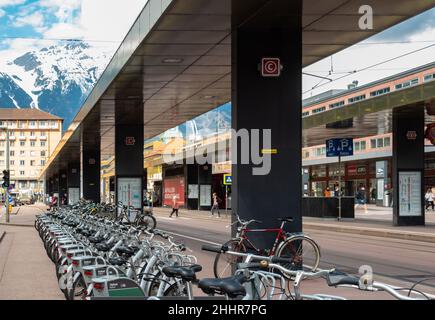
point(117, 261)
point(96, 239)
point(288, 219)
point(185, 273)
point(231, 286)
point(104, 247)
point(125, 251)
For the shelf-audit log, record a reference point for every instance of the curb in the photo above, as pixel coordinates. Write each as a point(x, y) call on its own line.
point(384, 233)
point(2, 235)
point(16, 225)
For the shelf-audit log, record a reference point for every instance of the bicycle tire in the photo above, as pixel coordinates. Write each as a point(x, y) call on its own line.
point(148, 221)
point(225, 269)
point(309, 263)
point(81, 284)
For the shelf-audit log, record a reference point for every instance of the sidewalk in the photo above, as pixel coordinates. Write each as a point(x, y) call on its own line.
point(362, 224)
point(26, 273)
point(23, 216)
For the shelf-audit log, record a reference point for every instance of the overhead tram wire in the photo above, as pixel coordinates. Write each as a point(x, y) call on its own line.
point(374, 65)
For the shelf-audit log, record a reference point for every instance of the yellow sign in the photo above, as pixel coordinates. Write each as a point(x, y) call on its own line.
point(269, 151)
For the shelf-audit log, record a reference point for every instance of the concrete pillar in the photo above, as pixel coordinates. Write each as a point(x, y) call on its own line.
point(73, 181)
point(90, 166)
point(129, 154)
point(408, 166)
point(268, 30)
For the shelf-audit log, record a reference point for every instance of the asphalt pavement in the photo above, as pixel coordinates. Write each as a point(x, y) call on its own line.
point(395, 261)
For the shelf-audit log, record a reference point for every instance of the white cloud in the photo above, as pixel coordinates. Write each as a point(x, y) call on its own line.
point(6, 3)
point(2, 13)
point(35, 20)
point(64, 31)
point(109, 20)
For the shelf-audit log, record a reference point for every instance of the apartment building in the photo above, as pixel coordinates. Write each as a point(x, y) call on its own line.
point(33, 136)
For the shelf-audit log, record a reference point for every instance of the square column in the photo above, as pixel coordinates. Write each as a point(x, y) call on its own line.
point(129, 154)
point(268, 30)
point(408, 166)
point(90, 166)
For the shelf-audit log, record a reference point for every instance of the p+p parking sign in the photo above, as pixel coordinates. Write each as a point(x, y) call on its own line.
point(339, 147)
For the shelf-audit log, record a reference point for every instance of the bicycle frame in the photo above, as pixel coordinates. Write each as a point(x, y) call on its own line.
point(280, 237)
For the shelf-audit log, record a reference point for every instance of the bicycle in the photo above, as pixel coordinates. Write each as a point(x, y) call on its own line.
point(136, 217)
point(302, 252)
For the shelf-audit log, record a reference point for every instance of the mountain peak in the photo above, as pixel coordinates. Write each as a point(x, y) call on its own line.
point(56, 79)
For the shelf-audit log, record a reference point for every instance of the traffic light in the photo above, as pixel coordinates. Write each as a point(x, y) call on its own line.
point(6, 178)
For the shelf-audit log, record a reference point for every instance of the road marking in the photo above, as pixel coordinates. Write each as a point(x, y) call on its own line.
point(193, 238)
point(174, 219)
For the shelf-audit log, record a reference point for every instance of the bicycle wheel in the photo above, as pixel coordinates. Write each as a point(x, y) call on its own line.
point(78, 290)
point(178, 289)
point(224, 263)
point(148, 221)
point(303, 254)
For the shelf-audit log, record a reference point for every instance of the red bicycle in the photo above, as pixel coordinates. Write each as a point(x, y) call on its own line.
point(302, 252)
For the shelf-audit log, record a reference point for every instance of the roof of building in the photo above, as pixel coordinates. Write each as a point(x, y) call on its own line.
point(329, 95)
point(26, 114)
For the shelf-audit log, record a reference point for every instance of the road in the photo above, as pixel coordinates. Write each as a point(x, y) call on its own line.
point(399, 262)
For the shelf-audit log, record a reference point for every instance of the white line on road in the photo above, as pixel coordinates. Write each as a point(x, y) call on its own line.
point(193, 238)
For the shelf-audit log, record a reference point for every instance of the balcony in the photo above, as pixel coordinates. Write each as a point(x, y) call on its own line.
point(22, 138)
point(33, 138)
point(43, 138)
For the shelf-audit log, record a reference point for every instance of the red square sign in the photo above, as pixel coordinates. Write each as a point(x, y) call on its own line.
point(130, 141)
point(271, 67)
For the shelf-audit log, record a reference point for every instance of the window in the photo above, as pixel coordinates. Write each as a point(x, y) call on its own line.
point(387, 142)
point(12, 153)
point(43, 134)
point(32, 143)
point(380, 143)
point(2, 143)
point(42, 163)
point(373, 143)
point(305, 114)
point(319, 110)
point(42, 124)
point(43, 153)
point(429, 77)
point(42, 143)
point(356, 99)
point(53, 123)
point(12, 143)
point(379, 92)
point(1, 124)
point(22, 162)
point(22, 173)
point(321, 151)
point(32, 163)
point(32, 153)
point(2, 163)
point(2, 153)
point(22, 134)
point(22, 143)
point(22, 153)
point(12, 162)
point(21, 124)
point(32, 133)
point(363, 145)
point(32, 124)
point(357, 146)
point(407, 84)
point(336, 105)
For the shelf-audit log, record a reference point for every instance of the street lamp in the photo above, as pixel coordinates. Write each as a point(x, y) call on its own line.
point(6, 187)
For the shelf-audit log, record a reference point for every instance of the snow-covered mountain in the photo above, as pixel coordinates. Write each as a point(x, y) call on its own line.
point(56, 79)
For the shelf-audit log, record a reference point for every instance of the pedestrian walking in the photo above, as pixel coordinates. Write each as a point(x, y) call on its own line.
point(361, 198)
point(175, 206)
point(429, 197)
point(215, 206)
